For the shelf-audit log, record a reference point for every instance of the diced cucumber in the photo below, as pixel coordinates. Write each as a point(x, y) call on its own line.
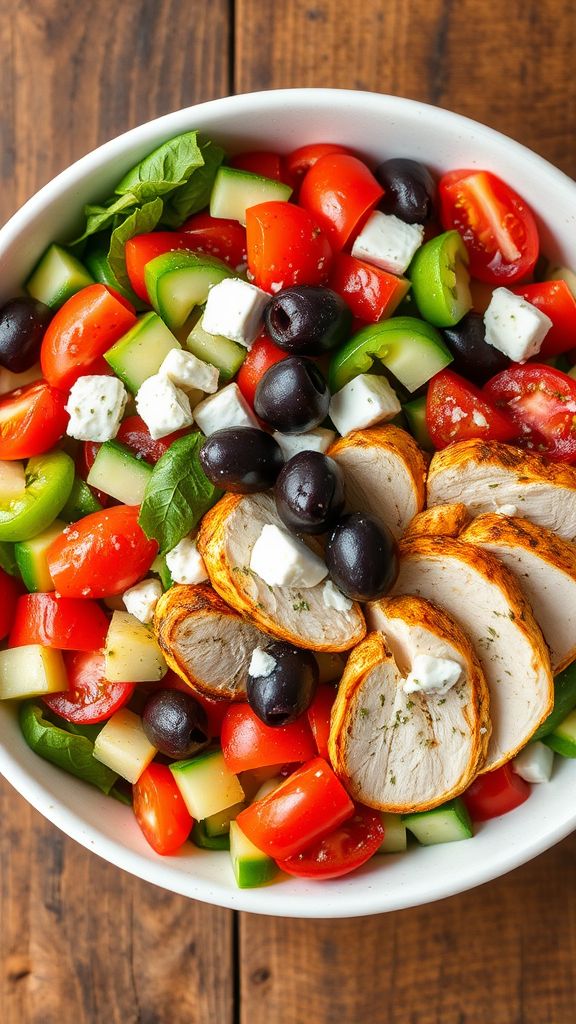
point(564, 701)
point(140, 353)
point(123, 746)
point(563, 739)
point(57, 276)
point(206, 783)
point(80, 503)
point(201, 838)
point(445, 824)
point(179, 281)
point(161, 569)
point(131, 652)
point(98, 264)
point(219, 824)
point(30, 558)
point(116, 471)
point(267, 787)
point(415, 413)
point(31, 671)
point(251, 866)
point(214, 349)
point(235, 190)
point(395, 838)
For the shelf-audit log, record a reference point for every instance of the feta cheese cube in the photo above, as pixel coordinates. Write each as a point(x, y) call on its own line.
point(534, 763)
point(141, 600)
point(432, 675)
point(282, 560)
point(514, 326)
point(388, 242)
point(185, 563)
point(95, 406)
point(366, 400)
point(318, 440)
point(261, 663)
point(188, 372)
point(234, 310)
point(227, 408)
point(163, 407)
point(334, 598)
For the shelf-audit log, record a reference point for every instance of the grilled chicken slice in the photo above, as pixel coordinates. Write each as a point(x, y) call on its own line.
point(227, 535)
point(384, 474)
point(404, 752)
point(487, 475)
point(485, 600)
point(439, 521)
point(545, 568)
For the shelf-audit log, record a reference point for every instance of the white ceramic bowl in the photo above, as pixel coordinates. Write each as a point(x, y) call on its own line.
point(379, 127)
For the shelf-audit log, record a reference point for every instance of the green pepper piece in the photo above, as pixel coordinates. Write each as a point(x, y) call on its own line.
point(440, 280)
point(202, 839)
point(564, 702)
point(7, 559)
point(49, 480)
point(71, 752)
point(80, 503)
point(415, 413)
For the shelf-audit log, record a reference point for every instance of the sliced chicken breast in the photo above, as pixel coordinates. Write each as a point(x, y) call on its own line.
point(485, 600)
point(384, 474)
point(439, 521)
point(298, 615)
point(405, 752)
point(487, 475)
point(545, 567)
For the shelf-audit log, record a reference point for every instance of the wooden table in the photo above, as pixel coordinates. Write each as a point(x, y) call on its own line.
point(81, 942)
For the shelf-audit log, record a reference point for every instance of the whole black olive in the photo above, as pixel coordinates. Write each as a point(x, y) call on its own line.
point(409, 190)
point(292, 396)
point(473, 356)
point(241, 459)
point(285, 691)
point(362, 557)
point(175, 723)
point(307, 320)
point(310, 493)
point(23, 322)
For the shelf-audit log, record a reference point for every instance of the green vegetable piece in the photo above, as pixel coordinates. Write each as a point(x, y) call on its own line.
point(163, 170)
point(448, 823)
point(195, 194)
point(139, 222)
point(56, 277)
point(179, 281)
point(440, 280)
point(564, 702)
point(71, 752)
point(160, 567)
point(106, 216)
point(80, 503)
point(49, 480)
point(201, 838)
point(7, 559)
point(563, 739)
point(415, 413)
point(96, 259)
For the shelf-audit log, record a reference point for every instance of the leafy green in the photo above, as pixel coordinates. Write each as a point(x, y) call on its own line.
point(163, 170)
point(73, 753)
point(178, 493)
point(142, 220)
point(106, 217)
point(7, 559)
point(195, 194)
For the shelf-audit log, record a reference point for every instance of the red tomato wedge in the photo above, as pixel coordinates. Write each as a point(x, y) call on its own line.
point(319, 717)
point(160, 810)
point(217, 236)
point(498, 228)
point(139, 250)
point(340, 192)
point(285, 246)
point(247, 743)
point(495, 793)
point(10, 590)
point(341, 851)
point(555, 299)
point(268, 165)
point(134, 433)
point(102, 554)
point(299, 162)
point(310, 804)
point(263, 354)
point(65, 623)
point(91, 698)
point(457, 410)
point(32, 420)
point(541, 401)
point(371, 293)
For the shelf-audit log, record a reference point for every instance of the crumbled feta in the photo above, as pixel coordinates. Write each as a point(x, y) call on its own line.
point(185, 563)
point(478, 419)
point(534, 763)
point(282, 560)
point(318, 440)
point(227, 408)
point(388, 242)
point(234, 309)
point(366, 400)
point(163, 407)
point(95, 406)
point(457, 414)
point(506, 510)
point(261, 663)
point(432, 675)
point(334, 598)
point(12, 479)
point(188, 372)
point(141, 600)
point(514, 326)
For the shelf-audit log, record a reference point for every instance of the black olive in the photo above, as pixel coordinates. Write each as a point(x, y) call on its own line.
point(409, 190)
point(310, 493)
point(362, 557)
point(281, 696)
point(473, 356)
point(307, 320)
point(241, 459)
point(175, 723)
point(292, 396)
point(23, 322)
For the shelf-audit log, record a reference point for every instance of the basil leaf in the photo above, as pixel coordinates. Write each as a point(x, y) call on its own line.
point(170, 165)
point(7, 559)
point(178, 493)
point(195, 194)
point(72, 753)
point(137, 223)
point(106, 217)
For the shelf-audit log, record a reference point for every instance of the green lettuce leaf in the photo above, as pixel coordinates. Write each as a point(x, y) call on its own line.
point(139, 222)
point(163, 170)
point(73, 753)
point(106, 217)
point(195, 194)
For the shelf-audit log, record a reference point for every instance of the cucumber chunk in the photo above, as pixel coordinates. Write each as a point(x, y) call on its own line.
point(226, 355)
point(161, 569)
point(80, 503)
point(31, 671)
point(116, 471)
point(31, 559)
point(251, 866)
point(131, 653)
point(140, 353)
point(201, 838)
point(411, 349)
point(445, 824)
point(235, 190)
point(564, 701)
point(49, 480)
point(179, 281)
point(123, 746)
point(415, 413)
point(395, 838)
point(563, 739)
point(219, 824)
point(98, 264)
point(207, 785)
point(57, 277)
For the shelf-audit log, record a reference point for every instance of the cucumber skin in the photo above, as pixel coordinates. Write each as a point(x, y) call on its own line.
point(200, 838)
point(564, 702)
point(80, 503)
point(560, 745)
point(459, 811)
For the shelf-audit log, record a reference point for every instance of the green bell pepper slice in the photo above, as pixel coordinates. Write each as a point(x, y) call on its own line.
point(49, 480)
point(8, 559)
point(440, 280)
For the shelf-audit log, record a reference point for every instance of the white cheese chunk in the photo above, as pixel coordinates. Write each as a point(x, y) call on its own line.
point(334, 598)
point(318, 440)
point(163, 407)
point(95, 406)
point(227, 408)
point(12, 479)
point(362, 402)
point(185, 563)
point(282, 560)
point(432, 675)
point(235, 309)
point(261, 663)
point(514, 326)
point(188, 372)
point(534, 763)
point(506, 510)
point(141, 599)
point(388, 242)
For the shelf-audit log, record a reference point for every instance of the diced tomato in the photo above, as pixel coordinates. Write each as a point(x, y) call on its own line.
point(268, 165)
point(10, 590)
point(91, 698)
point(310, 804)
point(102, 554)
point(32, 420)
point(135, 435)
point(247, 743)
point(299, 162)
point(319, 717)
point(341, 851)
point(541, 401)
point(65, 623)
point(217, 236)
point(371, 293)
point(263, 354)
point(340, 192)
point(285, 247)
point(498, 228)
point(457, 410)
point(139, 250)
point(160, 810)
point(495, 793)
point(555, 299)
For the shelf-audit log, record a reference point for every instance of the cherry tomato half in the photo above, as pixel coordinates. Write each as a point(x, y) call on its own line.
point(340, 192)
point(262, 162)
point(10, 590)
point(319, 717)
point(90, 698)
point(218, 236)
point(139, 250)
point(263, 354)
point(457, 410)
point(495, 793)
point(66, 623)
point(285, 247)
point(32, 420)
point(341, 851)
point(160, 810)
point(371, 293)
point(247, 743)
point(555, 299)
point(299, 162)
point(541, 401)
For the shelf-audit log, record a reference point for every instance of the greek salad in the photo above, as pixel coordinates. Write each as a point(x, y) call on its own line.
point(288, 504)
